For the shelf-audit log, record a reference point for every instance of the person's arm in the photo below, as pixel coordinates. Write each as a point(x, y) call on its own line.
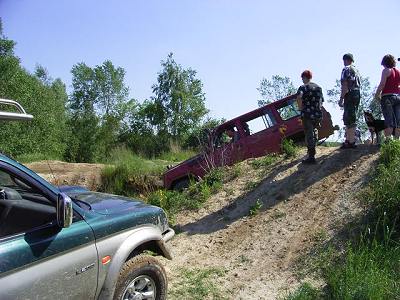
point(344, 86)
point(299, 102)
point(385, 75)
point(298, 99)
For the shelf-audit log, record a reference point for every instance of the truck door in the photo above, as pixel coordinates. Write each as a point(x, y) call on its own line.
point(38, 259)
point(262, 134)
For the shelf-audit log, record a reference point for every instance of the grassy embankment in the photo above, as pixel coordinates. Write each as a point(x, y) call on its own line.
point(370, 266)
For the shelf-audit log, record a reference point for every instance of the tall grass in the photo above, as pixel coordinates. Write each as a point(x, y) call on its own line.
point(371, 267)
point(129, 174)
point(369, 271)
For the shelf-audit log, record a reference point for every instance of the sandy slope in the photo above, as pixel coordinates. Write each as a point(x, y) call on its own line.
point(301, 205)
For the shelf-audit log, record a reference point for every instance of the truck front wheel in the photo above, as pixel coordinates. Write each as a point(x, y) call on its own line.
point(142, 277)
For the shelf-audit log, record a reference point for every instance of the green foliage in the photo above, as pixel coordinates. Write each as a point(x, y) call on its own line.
point(178, 102)
point(277, 88)
point(129, 174)
point(177, 156)
point(191, 198)
point(255, 208)
point(383, 192)
point(98, 106)
point(368, 272)
point(250, 185)
point(305, 292)
point(265, 161)
point(198, 284)
point(289, 148)
point(370, 269)
point(44, 99)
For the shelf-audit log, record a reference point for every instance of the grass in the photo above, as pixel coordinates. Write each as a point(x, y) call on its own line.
point(289, 148)
point(198, 284)
point(368, 272)
point(250, 185)
point(266, 161)
point(129, 174)
point(369, 268)
point(305, 292)
point(255, 208)
point(191, 198)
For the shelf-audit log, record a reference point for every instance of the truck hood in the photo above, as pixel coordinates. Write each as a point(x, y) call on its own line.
point(105, 203)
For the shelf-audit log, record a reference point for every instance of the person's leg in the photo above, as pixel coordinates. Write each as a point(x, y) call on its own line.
point(389, 116)
point(309, 131)
point(396, 109)
point(351, 103)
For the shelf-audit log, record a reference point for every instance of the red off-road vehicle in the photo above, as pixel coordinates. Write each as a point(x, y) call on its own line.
point(253, 134)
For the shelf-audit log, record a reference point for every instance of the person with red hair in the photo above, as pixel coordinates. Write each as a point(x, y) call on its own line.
point(310, 98)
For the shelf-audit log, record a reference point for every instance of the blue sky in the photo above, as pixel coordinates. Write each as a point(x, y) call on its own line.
point(231, 44)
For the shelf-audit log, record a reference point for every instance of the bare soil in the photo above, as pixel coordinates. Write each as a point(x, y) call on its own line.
point(302, 207)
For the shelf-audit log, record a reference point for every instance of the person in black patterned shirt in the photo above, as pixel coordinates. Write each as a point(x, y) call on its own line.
point(309, 99)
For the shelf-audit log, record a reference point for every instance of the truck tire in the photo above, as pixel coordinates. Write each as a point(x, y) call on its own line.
point(181, 184)
point(142, 276)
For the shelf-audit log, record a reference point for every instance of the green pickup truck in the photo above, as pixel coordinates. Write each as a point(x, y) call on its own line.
point(71, 243)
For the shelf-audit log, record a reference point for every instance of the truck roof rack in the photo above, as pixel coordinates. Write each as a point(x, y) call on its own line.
point(21, 115)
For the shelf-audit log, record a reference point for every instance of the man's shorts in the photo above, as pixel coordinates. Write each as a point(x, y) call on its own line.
point(390, 105)
point(351, 103)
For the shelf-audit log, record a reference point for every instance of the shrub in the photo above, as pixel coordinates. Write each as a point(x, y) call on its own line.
point(289, 148)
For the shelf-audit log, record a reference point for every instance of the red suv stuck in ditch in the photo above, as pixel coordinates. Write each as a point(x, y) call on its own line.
point(250, 135)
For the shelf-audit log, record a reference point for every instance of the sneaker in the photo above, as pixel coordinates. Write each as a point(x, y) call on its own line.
point(309, 161)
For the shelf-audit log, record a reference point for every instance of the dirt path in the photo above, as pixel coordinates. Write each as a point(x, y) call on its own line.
point(302, 205)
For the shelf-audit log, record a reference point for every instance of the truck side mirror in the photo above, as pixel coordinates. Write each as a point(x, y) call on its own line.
point(64, 210)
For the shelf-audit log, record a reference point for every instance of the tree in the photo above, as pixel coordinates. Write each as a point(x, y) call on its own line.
point(177, 106)
point(367, 102)
point(277, 88)
point(98, 107)
point(46, 102)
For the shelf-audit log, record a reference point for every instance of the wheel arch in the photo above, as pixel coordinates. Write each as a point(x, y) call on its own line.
point(132, 245)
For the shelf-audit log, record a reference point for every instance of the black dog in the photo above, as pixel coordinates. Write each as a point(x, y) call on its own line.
point(374, 126)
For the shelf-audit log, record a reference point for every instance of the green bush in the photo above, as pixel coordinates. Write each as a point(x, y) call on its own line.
point(289, 148)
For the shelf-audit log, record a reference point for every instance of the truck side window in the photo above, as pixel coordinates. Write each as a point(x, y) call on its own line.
point(267, 120)
point(22, 207)
point(289, 110)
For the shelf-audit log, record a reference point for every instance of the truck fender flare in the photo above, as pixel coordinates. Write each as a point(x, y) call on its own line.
point(134, 240)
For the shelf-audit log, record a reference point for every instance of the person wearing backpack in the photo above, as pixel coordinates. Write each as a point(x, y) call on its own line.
point(388, 92)
point(349, 99)
point(310, 98)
